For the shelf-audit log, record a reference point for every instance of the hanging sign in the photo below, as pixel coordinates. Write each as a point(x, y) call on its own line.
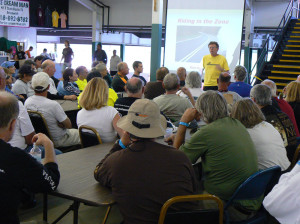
point(14, 13)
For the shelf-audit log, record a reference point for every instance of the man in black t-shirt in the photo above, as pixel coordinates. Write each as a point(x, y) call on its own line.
point(18, 169)
point(67, 55)
point(20, 55)
point(100, 55)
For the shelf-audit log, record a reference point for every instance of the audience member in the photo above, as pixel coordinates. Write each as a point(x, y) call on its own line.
point(261, 95)
point(138, 69)
point(59, 124)
point(114, 61)
point(172, 105)
point(120, 79)
point(298, 78)
point(23, 85)
point(82, 73)
point(19, 170)
point(68, 85)
point(31, 63)
point(48, 67)
point(139, 187)
point(267, 140)
point(155, 89)
point(28, 52)
point(194, 83)
point(10, 69)
point(293, 98)
point(101, 68)
point(99, 54)
point(181, 72)
point(281, 104)
point(45, 54)
point(95, 112)
point(283, 201)
point(5, 80)
point(225, 147)
point(38, 63)
point(239, 86)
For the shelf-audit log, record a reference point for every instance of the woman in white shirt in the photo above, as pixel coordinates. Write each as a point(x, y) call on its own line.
point(194, 83)
point(267, 140)
point(96, 113)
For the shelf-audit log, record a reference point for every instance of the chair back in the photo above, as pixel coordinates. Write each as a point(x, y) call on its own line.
point(296, 157)
point(203, 216)
point(255, 185)
point(88, 139)
point(39, 123)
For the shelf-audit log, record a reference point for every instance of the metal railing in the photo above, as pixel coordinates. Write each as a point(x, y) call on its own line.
point(290, 12)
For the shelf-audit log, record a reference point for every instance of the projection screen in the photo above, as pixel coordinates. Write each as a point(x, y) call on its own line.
point(192, 24)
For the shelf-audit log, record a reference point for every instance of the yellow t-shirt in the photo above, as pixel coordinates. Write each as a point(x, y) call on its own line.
point(55, 18)
point(81, 84)
point(112, 97)
point(211, 72)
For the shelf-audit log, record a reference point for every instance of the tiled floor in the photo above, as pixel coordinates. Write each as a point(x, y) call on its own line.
point(56, 206)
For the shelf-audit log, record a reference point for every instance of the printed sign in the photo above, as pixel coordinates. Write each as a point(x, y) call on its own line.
point(14, 13)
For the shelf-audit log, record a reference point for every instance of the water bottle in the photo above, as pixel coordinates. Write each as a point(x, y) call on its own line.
point(36, 153)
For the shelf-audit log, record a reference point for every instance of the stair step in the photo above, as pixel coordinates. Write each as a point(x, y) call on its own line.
point(296, 27)
point(295, 31)
point(291, 55)
point(285, 72)
point(285, 66)
point(297, 41)
point(294, 36)
point(296, 61)
point(279, 90)
point(282, 78)
point(280, 84)
point(292, 45)
point(286, 50)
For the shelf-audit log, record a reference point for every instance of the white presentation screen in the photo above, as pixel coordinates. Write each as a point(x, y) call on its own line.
point(192, 24)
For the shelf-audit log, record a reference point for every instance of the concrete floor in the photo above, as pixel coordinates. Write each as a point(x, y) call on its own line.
point(56, 206)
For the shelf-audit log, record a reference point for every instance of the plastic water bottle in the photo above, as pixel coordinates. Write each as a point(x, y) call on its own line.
point(36, 153)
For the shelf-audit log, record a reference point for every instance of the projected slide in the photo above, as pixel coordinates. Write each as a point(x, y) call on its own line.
point(193, 24)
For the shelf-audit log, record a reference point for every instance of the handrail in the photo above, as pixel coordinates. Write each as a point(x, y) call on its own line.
point(264, 54)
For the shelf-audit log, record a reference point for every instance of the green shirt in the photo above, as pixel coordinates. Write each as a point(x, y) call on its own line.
point(228, 156)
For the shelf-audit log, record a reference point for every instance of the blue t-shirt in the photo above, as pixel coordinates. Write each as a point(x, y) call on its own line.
point(243, 89)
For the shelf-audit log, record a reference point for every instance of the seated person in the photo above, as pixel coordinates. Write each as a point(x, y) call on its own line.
point(262, 96)
point(239, 86)
point(226, 149)
point(59, 124)
point(137, 70)
point(181, 72)
point(139, 187)
point(155, 89)
point(267, 140)
point(194, 83)
point(101, 68)
point(283, 201)
point(68, 85)
point(10, 70)
point(20, 170)
point(82, 73)
point(172, 105)
point(38, 60)
point(120, 79)
point(23, 85)
point(281, 104)
point(112, 95)
point(95, 112)
point(293, 98)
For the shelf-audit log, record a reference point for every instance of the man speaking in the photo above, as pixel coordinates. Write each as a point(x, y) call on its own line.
point(213, 64)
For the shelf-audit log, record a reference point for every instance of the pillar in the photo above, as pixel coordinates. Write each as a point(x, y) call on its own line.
point(249, 29)
point(96, 30)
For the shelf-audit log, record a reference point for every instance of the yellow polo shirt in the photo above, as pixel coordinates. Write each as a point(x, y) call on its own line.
point(211, 72)
point(112, 97)
point(81, 84)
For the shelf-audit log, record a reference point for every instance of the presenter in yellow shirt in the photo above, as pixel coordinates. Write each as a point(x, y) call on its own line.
point(213, 64)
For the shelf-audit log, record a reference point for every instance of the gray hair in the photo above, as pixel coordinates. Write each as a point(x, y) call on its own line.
point(240, 73)
point(261, 94)
point(212, 105)
point(121, 66)
point(171, 81)
point(9, 108)
point(100, 67)
point(193, 80)
point(272, 86)
point(134, 85)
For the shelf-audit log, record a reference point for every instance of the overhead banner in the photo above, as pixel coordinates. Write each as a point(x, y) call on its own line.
point(14, 13)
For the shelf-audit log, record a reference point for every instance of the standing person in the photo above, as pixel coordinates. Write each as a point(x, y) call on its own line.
point(138, 69)
point(114, 61)
point(213, 64)
point(45, 54)
point(20, 55)
point(19, 170)
point(99, 54)
point(28, 52)
point(67, 55)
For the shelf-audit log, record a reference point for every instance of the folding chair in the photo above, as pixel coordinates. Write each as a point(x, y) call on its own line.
point(253, 188)
point(295, 158)
point(203, 216)
point(39, 123)
point(88, 139)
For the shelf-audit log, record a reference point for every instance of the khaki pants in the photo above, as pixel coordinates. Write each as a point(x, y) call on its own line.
point(69, 139)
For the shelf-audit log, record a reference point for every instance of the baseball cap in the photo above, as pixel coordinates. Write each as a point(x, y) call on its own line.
point(40, 81)
point(8, 64)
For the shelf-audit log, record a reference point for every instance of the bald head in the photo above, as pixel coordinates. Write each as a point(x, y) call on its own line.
point(134, 87)
point(48, 66)
point(2, 79)
point(181, 72)
point(298, 78)
point(272, 86)
point(9, 109)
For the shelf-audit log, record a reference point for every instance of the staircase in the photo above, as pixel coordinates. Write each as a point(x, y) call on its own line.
point(284, 65)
